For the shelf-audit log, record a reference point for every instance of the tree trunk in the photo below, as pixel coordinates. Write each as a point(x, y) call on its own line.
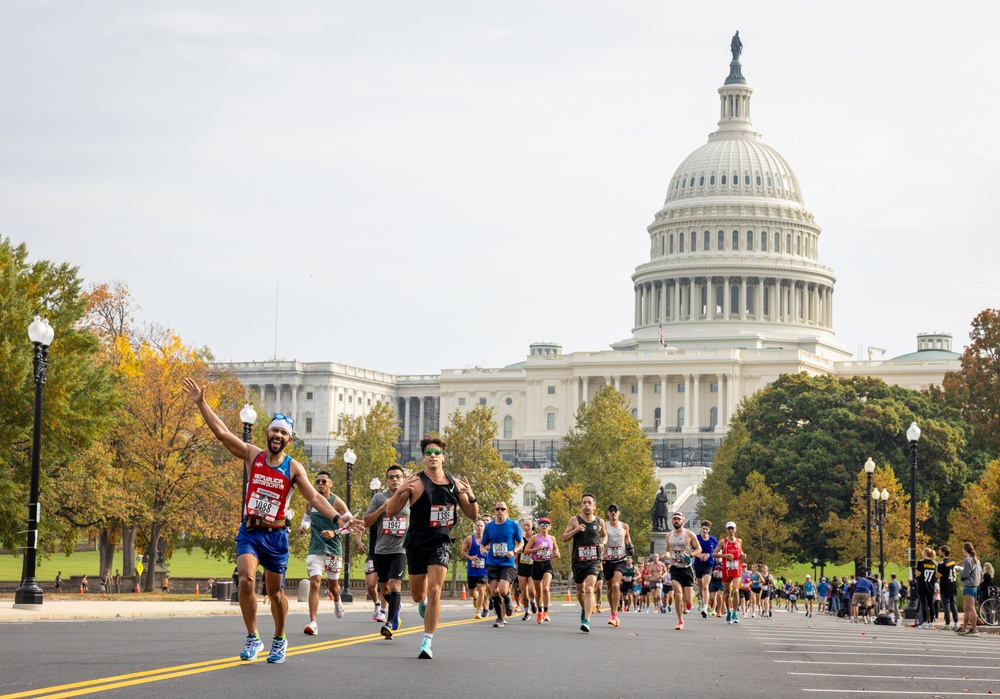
point(154, 542)
point(128, 551)
point(107, 542)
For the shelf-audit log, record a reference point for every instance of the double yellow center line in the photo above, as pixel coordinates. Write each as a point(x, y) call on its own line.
point(104, 684)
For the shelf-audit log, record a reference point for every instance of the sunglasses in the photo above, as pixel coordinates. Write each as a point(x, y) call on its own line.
point(394, 477)
point(321, 481)
point(546, 524)
point(432, 452)
point(501, 509)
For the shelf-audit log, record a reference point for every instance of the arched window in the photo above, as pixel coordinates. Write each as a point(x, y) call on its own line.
point(677, 184)
point(798, 245)
point(656, 418)
point(508, 427)
point(749, 240)
point(788, 243)
point(758, 180)
point(692, 181)
point(723, 179)
point(680, 417)
point(734, 299)
point(768, 180)
point(713, 418)
point(708, 241)
point(701, 181)
point(530, 495)
point(767, 300)
point(694, 241)
point(711, 180)
point(722, 241)
point(671, 243)
point(670, 490)
point(746, 180)
point(751, 299)
point(777, 242)
point(736, 240)
point(684, 183)
point(680, 244)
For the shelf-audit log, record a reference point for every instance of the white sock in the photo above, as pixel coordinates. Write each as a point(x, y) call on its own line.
point(428, 636)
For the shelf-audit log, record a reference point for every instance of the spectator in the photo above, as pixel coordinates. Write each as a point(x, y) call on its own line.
point(211, 586)
point(117, 582)
point(166, 583)
point(926, 574)
point(948, 582)
point(984, 587)
point(59, 581)
point(972, 578)
point(84, 585)
point(894, 592)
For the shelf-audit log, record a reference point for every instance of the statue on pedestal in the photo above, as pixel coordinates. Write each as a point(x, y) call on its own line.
point(736, 46)
point(659, 511)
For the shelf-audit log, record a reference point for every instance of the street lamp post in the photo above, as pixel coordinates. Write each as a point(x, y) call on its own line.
point(374, 485)
point(350, 458)
point(912, 435)
point(869, 469)
point(29, 594)
point(248, 416)
point(881, 499)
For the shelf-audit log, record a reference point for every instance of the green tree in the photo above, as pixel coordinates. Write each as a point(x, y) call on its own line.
point(715, 492)
point(606, 453)
point(79, 399)
point(978, 518)
point(809, 435)
point(760, 515)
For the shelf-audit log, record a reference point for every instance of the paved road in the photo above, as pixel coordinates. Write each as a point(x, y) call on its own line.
point(788, 656)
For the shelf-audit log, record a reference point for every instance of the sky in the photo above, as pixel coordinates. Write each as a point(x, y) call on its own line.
point(414, 186)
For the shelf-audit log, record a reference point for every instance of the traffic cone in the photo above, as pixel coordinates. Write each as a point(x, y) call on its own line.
point(568, 598)
point(463, 593)
point(81, 588)
point(197, 590)
point(137, 587)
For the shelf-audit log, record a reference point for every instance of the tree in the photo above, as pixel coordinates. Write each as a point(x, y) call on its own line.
point(715, 492)
point(176, 467)
point(846, 535)
point(79, 400)
point(809, 435)
point(975, 388)
point(978, 518)
point(608, 454)
point(759, 514)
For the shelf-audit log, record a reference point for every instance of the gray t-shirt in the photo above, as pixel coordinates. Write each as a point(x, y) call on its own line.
point(391, 530)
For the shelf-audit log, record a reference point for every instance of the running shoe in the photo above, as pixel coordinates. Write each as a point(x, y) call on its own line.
point(534, 607)
point(421, 608)
point(526, 615)
point(538, 619)
point(704, 614)
point(613, 621)
point(425, 650)
point(679, 627)
point(253, 646)
point(278, 648)
point(394, 624)
point(499, 624)
point(380, 616)
point(545, 616)
point(338, 609)
point(375, 613)
point(508, 608)
point(688, 606)
point(597, 609)
point(970, 632)
point(478, 615)
point(736, 619)
point(585, 626)
point(311, 629)
point(386, 632)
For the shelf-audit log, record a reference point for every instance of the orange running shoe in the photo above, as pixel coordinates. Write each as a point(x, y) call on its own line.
point(545, 616)
point(539, 617)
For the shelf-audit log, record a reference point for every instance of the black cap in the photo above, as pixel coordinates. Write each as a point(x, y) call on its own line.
point(614, 507)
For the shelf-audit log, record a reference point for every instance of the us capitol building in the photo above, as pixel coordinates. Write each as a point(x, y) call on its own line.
point(735, 280)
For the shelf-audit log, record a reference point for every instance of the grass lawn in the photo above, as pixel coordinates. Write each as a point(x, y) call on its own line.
point(797, 573)
point(183, 565)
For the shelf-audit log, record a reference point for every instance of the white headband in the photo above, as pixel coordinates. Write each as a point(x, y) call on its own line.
point(284, 424)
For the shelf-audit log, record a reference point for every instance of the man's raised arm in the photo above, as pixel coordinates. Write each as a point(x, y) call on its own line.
point(234, 444)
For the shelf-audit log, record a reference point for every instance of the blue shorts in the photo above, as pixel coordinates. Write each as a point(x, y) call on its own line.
point(269, 546)
point(703, 568)
point(970, 591)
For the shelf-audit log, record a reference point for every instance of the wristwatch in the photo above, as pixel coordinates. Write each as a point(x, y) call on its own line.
point(472, 500)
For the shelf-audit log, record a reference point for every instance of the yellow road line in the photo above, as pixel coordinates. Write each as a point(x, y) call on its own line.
point(76, 689)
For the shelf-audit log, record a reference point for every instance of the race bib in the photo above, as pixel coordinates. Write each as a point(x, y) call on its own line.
point(613, 553)
point(543, 554)
point(442, 516)
point(394, 526)
point(526, 558)
point(732, 564)
point(369, 566)
point(264, 504)
point(499, 549)
point(677, 559)
point(478, 562)
point(587, 553)
point(333, 564)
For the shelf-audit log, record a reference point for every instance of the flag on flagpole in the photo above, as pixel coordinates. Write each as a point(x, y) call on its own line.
point(663, 341)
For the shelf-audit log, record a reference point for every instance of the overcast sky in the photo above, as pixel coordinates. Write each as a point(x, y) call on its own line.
point(436, 184)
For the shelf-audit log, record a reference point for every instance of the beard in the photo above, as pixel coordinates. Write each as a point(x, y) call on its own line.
point(678, 525)
point(275, 451)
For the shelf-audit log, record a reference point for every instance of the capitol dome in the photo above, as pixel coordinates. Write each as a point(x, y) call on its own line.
point(734, 254)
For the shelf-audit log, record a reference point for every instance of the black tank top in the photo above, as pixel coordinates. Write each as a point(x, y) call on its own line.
point(585, 542)
point(433, 514)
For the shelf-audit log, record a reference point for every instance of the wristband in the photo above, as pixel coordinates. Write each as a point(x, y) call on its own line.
point(336, 518)
point(473, 500)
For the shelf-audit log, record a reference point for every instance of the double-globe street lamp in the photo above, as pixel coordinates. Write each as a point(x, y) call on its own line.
point(869, 469)
point(912, 435)
point(350, 458)
point(881, 498)
point(29, 594)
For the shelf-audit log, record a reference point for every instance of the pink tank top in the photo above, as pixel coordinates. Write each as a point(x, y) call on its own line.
point(544, 552)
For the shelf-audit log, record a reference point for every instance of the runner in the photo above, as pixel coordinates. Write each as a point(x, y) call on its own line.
point(598, 587)
point(654, 579)
point(744, 589)
point(729, 551)
point(390, 555)
point(476, 568)
point(756, 585)
point(715, 590)
point(588, 535)
point(432, 496)
point(326, 554)
point(619, 543)
point(683, 545)
point(542, 547)
point(524, 563)
point(502, 542)
point(263, 535)
point(627, 586)
point(809, 594)
point(644, 587)
point(703, 565)
point(766, 592)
